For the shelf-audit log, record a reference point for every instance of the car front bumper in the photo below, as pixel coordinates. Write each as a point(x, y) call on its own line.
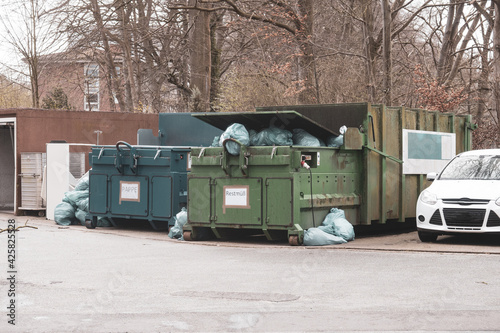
point(450, 218)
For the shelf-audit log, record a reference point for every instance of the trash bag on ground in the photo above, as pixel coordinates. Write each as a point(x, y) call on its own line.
point(80, 216)
point(104, 222)
point(238, 132)
point(336, 224)
point(180, 220)
point(271, 136)
point(83, 183)
point(75, 206)
point(83, 204)
point(74, 197)
point(303, 138)
point(317, 237)
point(64, 213)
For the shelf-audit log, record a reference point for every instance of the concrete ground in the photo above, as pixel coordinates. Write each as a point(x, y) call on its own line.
point(133, 279)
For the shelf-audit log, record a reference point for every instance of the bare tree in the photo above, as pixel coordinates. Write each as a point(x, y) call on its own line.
point(294, 18)
point(34, 37)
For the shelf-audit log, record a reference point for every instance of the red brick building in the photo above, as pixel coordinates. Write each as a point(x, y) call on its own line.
point(80, 77)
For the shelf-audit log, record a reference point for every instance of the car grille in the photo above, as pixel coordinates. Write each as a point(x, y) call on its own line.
point(493, 220)
point(464, 218)
point(436, 218)
point(466, 201)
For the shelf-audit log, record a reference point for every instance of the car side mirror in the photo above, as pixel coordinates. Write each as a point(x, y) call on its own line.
point(431, 176)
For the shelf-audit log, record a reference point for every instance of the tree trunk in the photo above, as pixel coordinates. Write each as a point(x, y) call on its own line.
point(308, 94)
point(123, 12)
point(484, 77)
point(369, 48)
point(455, 11)
point(110, 64)
point(496, 65)
point(387, 57)
point(200, 58)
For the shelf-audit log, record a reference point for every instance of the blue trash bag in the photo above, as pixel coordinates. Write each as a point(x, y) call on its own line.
point(74, 197)
point(83, 204)
point(180, 220)
point(80, 216)
point(83, 183)
point(337, 141)
point(216, 143)
point(336, 224)
point(271, 136)
point(303, 138)
point(238, 132)
point(317, 237)
point(64, 213)
point(104, 222)
point(334, 214)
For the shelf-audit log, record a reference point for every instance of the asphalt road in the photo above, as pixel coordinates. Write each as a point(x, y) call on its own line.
point(70, 279)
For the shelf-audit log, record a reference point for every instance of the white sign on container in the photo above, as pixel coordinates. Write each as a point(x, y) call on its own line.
point(236, 196)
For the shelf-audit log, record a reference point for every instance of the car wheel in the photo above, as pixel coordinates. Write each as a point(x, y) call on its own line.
point(427, 237)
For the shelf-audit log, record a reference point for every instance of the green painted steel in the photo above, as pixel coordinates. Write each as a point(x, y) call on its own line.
point(265, 189)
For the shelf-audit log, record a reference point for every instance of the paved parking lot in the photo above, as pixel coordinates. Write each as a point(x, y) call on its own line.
point(70, 279)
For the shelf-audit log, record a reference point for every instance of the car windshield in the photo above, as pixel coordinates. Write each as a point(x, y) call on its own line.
point(486, 167)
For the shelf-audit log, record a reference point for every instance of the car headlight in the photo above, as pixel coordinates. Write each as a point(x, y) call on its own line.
point(498, 202)
point(430, 198)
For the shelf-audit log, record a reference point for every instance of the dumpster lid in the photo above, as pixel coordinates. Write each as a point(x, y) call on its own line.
point(288, 120)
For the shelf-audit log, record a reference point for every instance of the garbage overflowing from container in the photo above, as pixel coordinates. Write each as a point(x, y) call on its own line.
point(272, 136)
point(346, 156)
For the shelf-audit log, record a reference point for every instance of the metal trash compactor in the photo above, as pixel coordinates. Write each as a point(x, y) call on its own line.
point(147, 181)
point(266, 190)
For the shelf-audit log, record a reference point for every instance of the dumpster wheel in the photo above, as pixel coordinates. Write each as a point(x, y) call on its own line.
point(293, 240)
point(90, 225)
point(187, 236)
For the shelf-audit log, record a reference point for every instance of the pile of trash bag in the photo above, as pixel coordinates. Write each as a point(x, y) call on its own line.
point(336, 141)
point(334, 229)
point(238, 132)
point(273, 136)
point(75, 206)
point(304, 138)
point(180, 220)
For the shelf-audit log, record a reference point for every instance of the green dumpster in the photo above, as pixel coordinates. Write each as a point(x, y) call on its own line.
point(281, 191)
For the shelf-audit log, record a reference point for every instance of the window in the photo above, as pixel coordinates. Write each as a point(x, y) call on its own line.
point(91, 95)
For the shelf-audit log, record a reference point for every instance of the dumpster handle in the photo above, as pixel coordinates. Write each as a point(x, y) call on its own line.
point(122, 143)
point(202, 152)
point(273, 152)
point(100, 153)
point(158, 152)
point(243, 157)
point(373, 131)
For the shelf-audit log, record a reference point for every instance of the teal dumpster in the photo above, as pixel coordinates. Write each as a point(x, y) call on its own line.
point(145, 182)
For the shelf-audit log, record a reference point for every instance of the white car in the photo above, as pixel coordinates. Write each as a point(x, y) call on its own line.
point(463, 198)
